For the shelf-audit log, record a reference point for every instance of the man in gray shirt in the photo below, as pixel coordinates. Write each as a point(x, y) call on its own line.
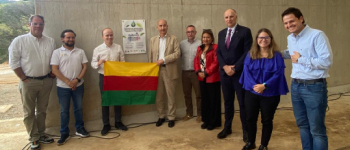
point(189, 78)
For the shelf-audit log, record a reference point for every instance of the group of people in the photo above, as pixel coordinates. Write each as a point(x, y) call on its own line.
point(32, 57)
point(252, 70)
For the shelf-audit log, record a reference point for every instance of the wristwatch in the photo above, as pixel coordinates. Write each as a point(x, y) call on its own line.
point(78, 79)
point(233, 68)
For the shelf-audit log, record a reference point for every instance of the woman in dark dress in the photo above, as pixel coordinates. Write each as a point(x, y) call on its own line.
point(206, 67)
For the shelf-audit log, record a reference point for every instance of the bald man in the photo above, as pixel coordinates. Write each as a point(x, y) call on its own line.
point(233, 44)
point(164, 49)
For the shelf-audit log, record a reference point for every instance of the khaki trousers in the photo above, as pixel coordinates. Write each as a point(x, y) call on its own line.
point(165, 86)
point(189, 80)
point(35, 98)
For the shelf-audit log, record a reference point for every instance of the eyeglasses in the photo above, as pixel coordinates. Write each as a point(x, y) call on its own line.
point(266, 38)
point(37, 24)
point(188, 32)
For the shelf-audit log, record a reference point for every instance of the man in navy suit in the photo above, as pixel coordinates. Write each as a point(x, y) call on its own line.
point(233, 44)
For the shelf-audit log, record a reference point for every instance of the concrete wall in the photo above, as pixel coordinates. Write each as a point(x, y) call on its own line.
point(88, 17)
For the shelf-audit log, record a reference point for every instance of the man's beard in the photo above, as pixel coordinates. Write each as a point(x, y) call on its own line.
point(69, 45)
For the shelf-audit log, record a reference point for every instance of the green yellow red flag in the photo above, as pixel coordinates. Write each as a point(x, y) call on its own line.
point(129, 83)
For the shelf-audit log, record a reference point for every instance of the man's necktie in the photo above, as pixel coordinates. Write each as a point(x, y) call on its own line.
point(228, 39)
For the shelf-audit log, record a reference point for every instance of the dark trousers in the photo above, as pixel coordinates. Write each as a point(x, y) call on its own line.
point(267, 106)
point(211, 103)
point(230, 86)
point(105, 109)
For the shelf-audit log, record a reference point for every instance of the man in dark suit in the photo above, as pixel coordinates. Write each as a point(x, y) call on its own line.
point(233, 44)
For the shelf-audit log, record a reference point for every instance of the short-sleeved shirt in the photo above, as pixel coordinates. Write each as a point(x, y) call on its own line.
point(69, 63)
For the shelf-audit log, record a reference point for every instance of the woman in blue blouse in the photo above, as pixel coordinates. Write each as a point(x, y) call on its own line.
point(264, 81)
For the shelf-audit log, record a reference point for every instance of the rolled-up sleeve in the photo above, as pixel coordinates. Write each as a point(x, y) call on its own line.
point(95, 59)
point(15, 54)
point(121, 54)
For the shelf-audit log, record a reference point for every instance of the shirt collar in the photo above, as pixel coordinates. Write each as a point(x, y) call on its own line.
point(233, 28)
point(105, 45)
point(63, 48)
point(302, 31)
point(33, 37)
point(164, 36)
point(194, 40)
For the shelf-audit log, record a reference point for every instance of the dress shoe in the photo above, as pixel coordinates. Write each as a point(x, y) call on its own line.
point(245, 136)
point(249, 146)
point(187, 117)
point(121, 126)
point(171, 123)
point(204, 125)
point(262, 147)
point(210, 127)
point(160, 122)
point(199, 119)
point(105, 129)
point(224, 133)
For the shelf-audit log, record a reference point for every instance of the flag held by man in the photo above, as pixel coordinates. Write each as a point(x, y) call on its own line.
point(129, 83)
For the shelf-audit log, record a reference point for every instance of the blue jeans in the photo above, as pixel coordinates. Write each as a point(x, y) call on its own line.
point(64, 96)
point(309, 106)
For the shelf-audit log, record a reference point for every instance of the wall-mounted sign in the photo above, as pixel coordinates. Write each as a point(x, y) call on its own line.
point(134, 36)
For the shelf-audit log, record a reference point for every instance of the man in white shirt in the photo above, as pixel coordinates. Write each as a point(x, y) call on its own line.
point(188, 49)
point(29, 57)
point(108, 51)
point(69, 66)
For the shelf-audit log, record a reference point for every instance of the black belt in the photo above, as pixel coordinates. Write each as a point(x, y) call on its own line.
point(312, 81)
point(163, 65)
point(38, 78)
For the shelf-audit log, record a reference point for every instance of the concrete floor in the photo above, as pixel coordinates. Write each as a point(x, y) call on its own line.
point(188, 135)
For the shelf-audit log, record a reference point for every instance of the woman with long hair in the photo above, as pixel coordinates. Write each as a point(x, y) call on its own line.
point(206, 67)
point(264, 81)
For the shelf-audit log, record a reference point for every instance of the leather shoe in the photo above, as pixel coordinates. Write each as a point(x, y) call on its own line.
point(171, 123)
point(249, 146)
point(262, 147)
point(121, 126)
point(160, 122)
point(105, 129)
point(204, 125)
point(187, 117)
point(210, 127)
point(245, 136)
point(224, 133)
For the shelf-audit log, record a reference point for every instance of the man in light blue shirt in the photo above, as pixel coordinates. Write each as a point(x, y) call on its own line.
point(311, 56)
